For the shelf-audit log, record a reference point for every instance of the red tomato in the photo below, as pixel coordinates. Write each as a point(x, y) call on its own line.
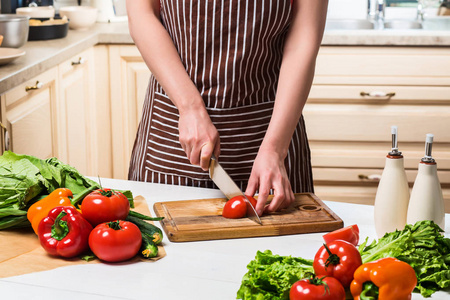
point(349, 234)
point(105, 205)
point(115, 241)
point(236, 207)
point(327, 288)
point(338, 259)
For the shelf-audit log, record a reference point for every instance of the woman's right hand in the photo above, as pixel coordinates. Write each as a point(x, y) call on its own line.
point(198, 137)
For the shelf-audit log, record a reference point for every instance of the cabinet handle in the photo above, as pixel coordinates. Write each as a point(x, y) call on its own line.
point(378, 94)
point(79, 61)
point(373, 177)
point(6, 136)
point(37, 86)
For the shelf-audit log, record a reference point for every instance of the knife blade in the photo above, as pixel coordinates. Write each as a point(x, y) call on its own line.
point(229, 187)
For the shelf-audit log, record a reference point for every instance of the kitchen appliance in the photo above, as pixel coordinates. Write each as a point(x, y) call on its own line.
point(14, 30)
point(110, 10)
point(392, 197)
point(201, 220)
point(229, 188)
point(427, 201)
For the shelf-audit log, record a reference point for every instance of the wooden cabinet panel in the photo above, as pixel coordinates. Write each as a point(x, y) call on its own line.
point(360, 122)
point(29, 115)
point(129, 79)
point(76, 113)
point(385, 65)
point(321, 93)
point(350, 134)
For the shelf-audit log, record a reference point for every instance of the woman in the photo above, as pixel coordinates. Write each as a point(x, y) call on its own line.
point(229, 78)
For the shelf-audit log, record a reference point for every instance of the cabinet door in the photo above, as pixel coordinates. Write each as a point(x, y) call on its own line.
point(29, 111)
point(129, 78)
point(75, 113)
point(3, 130)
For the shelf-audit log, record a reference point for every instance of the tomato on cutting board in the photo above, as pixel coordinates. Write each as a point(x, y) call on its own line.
point(236, 207)
point(105, 205)
point(349, 234)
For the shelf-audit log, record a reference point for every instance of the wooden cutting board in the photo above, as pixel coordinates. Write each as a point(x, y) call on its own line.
point(199, 220)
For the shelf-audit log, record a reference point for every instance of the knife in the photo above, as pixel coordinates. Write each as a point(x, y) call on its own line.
point(229, 187)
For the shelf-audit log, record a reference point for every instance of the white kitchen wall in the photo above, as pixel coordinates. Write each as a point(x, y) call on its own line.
point(347, 9)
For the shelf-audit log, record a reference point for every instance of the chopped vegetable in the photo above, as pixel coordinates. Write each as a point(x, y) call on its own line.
point(349, 234)
point(423, 247)
point(386, 278)
point(64, 232)
point(271, 276)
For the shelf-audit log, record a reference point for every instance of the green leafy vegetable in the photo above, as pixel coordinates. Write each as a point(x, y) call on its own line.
point(271, 276)
point(26, 179)
point(423, 247)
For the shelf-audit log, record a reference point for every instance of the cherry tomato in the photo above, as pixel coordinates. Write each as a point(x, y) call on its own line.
point(236, 207)
point(349, 234)
point(327, 288)
point(338, 259)
point(115, 241)
point(105, 205)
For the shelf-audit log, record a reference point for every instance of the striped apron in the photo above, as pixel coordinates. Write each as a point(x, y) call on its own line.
point(232, 51)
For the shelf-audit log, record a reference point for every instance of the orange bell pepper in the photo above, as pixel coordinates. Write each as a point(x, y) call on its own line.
point(40, 209)
point(384, 279)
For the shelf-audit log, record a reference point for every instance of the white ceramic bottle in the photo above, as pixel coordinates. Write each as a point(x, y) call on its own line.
point(427, 202)
point(392, 198)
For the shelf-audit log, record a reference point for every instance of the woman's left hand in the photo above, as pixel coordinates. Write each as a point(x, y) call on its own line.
point(269, 172)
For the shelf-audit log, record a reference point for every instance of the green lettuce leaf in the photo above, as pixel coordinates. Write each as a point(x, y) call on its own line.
point(423, 247)
point(270, 276)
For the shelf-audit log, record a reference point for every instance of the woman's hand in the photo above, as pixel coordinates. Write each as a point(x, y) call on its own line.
point(198, 137)
point(268, 173)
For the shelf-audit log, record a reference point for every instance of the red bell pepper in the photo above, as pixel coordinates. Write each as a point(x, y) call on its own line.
point(64, 232)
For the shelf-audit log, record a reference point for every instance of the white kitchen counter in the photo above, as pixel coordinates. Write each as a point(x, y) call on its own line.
point(191, 270)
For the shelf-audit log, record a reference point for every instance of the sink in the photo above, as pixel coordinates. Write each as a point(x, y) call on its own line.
point(402, 24)
point(348, 24)
point(437, 23)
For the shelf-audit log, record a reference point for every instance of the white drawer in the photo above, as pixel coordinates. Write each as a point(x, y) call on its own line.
point(365, 122)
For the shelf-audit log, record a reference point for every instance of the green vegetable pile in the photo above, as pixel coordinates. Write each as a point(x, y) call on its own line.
point(26, 179)
point(423, 247)
point(271, 276)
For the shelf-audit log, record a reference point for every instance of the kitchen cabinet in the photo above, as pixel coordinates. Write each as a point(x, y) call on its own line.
point(129, 78)
point(75, 113)
point(28, 113)
point(52, 114)
point(357, 94)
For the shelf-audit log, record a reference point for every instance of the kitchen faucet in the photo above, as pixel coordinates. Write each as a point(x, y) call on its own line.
point(375, 12)
point(420, 10)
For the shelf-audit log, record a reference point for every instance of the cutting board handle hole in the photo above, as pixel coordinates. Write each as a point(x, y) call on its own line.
point(309, 207)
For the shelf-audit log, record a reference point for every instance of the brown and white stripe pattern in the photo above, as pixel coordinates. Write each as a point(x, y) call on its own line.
point(232, 51)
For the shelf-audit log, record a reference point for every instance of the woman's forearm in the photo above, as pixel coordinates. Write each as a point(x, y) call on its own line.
point(160, 54)
point(296, 73)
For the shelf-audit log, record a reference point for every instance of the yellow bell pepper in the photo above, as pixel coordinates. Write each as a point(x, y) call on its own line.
point(40, 209)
